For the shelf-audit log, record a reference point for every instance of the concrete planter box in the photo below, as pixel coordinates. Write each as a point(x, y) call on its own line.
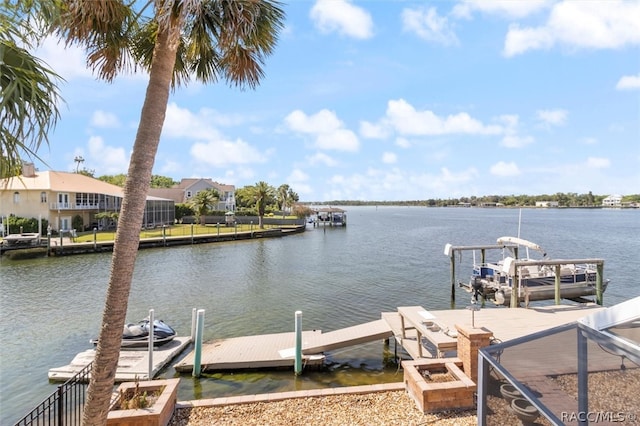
point(158, 414)
point(431, 396)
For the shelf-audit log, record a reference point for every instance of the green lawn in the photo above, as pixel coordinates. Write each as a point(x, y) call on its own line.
point(178, 230)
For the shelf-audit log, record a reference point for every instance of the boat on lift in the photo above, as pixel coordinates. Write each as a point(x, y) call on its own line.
point(535, 274)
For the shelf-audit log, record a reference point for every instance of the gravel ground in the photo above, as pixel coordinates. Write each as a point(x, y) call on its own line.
point(612, 391)
point(382, 408)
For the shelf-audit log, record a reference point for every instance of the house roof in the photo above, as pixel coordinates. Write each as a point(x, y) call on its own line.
point(175, 194)
point(63, 182)
point(185, 183)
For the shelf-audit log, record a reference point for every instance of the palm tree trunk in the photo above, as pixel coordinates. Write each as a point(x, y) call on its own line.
point(128, 233)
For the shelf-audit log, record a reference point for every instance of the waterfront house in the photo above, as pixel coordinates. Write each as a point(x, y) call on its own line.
point(184, 191)
point(61, 198)
point(547, 204)
point(612, 201)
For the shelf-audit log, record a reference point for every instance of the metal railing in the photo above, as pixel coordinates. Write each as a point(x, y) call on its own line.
point(64, 406)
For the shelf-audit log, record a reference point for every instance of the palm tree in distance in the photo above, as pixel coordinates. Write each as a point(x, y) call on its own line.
point(292, 198)
point(174, 40)
point(263, 195)
point(204, 202)
point(283, 197)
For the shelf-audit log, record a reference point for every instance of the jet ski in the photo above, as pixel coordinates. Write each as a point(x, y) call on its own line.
point(137, 335)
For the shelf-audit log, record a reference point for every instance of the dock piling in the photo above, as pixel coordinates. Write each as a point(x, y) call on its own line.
point(151, 319)
point(557, 284)
point(197, 355)
point(298, 329)
point(193, 324)
point(599, 273)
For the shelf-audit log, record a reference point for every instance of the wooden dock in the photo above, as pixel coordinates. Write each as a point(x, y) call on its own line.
point(410, 326)
point(406, 326)
point(278, 350)
point(132, 365)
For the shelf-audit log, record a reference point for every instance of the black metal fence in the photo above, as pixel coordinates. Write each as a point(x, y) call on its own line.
point(64, 406)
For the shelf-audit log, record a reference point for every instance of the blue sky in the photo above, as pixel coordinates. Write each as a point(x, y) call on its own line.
point(394, 100)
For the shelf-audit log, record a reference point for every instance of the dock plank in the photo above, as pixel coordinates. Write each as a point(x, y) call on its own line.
point(349, 336)
point(511, 323)
point(258, 351)
point(132, 364)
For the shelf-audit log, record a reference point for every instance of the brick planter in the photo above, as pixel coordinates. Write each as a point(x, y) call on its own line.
point(158, 414)
point(429, 396)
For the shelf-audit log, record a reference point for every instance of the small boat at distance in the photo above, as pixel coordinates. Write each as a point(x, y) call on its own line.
point(137, 335)
point(536, 276)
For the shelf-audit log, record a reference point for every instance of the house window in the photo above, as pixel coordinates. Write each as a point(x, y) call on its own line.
point(16, 197)
point(43, 197)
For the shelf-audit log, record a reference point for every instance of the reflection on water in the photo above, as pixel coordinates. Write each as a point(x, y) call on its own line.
point(338, 277)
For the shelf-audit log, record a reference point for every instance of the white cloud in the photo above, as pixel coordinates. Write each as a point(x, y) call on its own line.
point(220, 153)
point(589, 141)
point(373, 131)
point(69, 63)
point(552, 117)
point(428, 25)
point(512, 138)
point(104, 119)
point(181, 123)
point(515, 141)
point(596, 24)
point(297, 175)
point(171, 167)
point(520, 40)
point(598, 163)
point(629, 82)
point(328, 130)
point(339, 139)
point(406, 120)
point(322, 158)
point(342, 17)
point(508, 8)
point(108, 159)
point(504, 169)
point(398, 184)
point(389, 158)
point(298, 179)
point(403, 143)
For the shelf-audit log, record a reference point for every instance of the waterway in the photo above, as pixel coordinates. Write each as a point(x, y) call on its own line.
point(386, 257)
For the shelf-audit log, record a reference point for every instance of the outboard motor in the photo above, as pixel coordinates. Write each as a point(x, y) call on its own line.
point(476, 286)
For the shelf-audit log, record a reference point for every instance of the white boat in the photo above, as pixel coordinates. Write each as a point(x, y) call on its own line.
point(534, 273)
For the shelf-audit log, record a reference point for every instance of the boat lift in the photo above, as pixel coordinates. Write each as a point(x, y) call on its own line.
point(450, 250)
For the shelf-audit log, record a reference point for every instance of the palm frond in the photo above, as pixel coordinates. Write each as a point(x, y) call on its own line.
point(104, 27)
point(29, 104)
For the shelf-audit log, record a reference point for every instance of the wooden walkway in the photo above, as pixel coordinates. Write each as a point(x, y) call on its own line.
point(131, 365)
point(278, 350)
point(406, 326)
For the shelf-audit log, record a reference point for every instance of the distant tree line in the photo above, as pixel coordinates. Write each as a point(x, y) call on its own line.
point(284, 197)
point(570, 199)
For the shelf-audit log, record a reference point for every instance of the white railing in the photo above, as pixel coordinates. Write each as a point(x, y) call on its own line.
point(73, 206)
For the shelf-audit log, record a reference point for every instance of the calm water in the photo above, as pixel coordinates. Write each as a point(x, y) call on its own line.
point(387, 257)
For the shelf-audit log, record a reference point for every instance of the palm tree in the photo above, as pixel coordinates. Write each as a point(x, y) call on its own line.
point(263, 195)
point(292, 198)
point(28, 91)
point(204, 202)
point(175, 41)
point(283, 197)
